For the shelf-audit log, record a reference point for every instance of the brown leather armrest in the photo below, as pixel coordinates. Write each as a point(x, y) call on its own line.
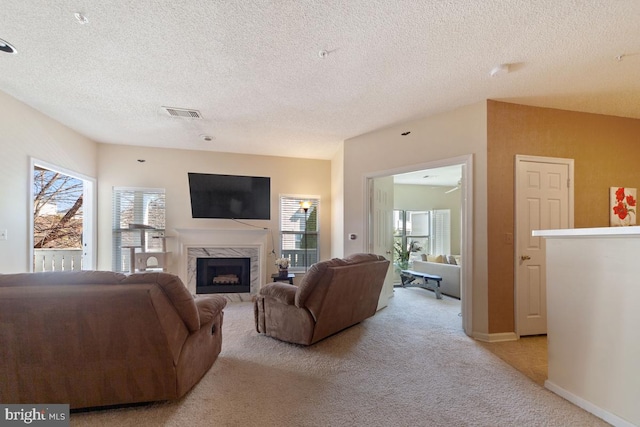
point(283, 292)
point(209, 307)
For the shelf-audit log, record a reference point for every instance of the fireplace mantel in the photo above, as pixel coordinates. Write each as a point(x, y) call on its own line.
point(193, 242)
point(220, 233)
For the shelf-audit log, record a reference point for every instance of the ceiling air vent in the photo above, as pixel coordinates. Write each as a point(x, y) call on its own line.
point(183, 112)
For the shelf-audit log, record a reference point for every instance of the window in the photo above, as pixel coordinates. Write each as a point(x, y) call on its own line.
point(299, 231)
point(411, 236)
point(420, 232)
point(138, 219)
point(441, 232)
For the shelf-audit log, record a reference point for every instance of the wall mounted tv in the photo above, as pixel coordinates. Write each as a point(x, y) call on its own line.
point(230, 196)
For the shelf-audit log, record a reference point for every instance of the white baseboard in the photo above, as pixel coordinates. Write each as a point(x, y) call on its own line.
point(588, 406)
point(499, 337)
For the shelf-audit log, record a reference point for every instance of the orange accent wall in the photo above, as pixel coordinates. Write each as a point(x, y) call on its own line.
point(606, 150)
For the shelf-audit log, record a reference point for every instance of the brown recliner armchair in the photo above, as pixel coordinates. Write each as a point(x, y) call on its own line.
point(333, 295)
point(98, 338)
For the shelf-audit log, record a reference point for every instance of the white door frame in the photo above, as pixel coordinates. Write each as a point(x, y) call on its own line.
point(535, 159)
point(89, 213)
point(466, 246)
point(382, 245)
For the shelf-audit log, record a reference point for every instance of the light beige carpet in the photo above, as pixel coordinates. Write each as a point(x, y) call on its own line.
point(409, 365)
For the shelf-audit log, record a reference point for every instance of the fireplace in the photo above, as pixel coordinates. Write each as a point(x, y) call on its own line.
point(221, 243)
point(223, 275)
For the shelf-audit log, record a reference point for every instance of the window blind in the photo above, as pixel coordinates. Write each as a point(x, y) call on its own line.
point(133, 208)
point(299, 231)
point(440, 232)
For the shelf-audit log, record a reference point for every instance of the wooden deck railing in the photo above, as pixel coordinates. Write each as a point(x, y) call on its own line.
point(57, 259)
point(71, 259)
point(297, 257)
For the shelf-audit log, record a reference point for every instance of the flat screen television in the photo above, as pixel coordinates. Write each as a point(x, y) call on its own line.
point(230, 196)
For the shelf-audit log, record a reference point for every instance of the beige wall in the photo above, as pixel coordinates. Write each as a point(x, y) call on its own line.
point(606, 150)
point(25, 133)
point(337, 203)
point(168, 168)
point(424, 198)
point(457, 133)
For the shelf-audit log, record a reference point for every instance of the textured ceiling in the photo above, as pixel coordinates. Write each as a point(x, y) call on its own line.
point(253, 69)
point(447, 176)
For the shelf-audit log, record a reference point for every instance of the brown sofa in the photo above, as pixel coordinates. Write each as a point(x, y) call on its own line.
point(332, 296)
point(97, 338)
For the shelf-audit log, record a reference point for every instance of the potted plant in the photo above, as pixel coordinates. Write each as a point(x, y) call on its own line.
point(404, 254)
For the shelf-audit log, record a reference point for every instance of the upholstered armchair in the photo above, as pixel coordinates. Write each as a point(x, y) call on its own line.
point(99, 338)
point(332, 296)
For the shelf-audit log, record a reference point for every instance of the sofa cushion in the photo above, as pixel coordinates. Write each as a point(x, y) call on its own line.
point(317, 270)
point(283, 292)
point(312, 277)
point(209, 308)
point(434, 258)
point(62, 278)
point(362, 257)
point(170, 284)
point(175, 291)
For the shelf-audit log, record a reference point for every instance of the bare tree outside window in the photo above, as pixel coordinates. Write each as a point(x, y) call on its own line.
point(57, 210)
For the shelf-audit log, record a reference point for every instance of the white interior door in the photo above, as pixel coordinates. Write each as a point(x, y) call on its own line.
point(544, 200)
point(381, 196)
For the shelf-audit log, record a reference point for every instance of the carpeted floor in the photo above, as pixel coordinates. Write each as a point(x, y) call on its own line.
point(409, 365)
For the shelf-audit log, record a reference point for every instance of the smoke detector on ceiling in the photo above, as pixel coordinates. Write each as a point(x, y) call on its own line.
point(183, 112)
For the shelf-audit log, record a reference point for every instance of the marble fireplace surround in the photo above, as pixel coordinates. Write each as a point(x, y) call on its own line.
point(223, 243)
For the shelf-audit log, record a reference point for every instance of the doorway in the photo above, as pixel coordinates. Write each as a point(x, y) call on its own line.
point(543, 200)
point(62, 219)
point(379, 231)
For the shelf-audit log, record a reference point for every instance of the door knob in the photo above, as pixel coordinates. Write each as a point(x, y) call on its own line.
point(524, 257)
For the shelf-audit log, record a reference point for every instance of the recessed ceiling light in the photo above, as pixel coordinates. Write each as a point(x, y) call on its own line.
point(81, 18)
point(499, 70)
point(207, 138)
point(6, 47)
